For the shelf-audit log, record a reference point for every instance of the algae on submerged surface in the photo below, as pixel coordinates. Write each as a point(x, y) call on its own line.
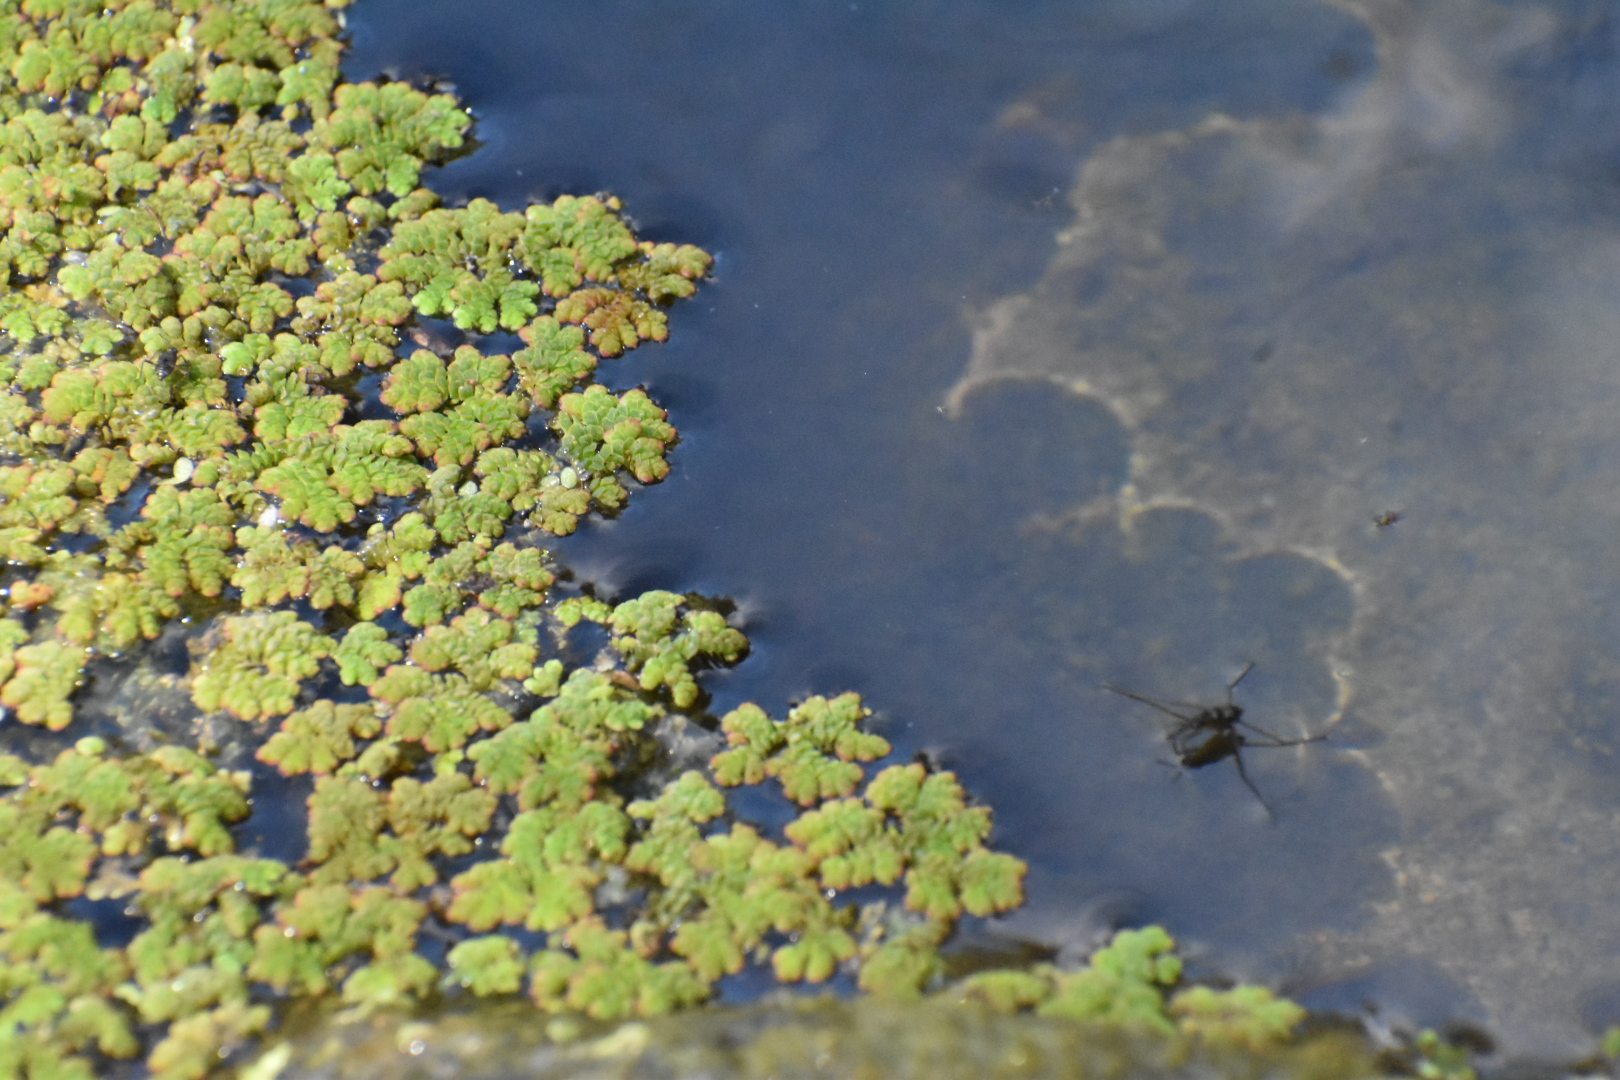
point(803, 1038)
point(1381, 338)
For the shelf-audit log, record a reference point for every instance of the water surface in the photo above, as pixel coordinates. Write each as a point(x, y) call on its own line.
point(1055, 344)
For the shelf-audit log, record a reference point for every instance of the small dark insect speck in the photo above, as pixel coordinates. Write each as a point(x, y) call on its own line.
point(1210, 733)
point(1387, 518)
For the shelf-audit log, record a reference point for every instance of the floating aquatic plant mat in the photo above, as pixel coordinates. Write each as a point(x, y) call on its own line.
point(299, 713)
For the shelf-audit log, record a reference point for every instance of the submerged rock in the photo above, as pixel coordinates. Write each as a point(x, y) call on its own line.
point(820, 1037)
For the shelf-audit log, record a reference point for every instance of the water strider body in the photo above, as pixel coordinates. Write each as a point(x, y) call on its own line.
point(1211, 733)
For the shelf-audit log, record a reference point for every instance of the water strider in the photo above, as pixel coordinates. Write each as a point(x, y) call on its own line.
point(1211, 734)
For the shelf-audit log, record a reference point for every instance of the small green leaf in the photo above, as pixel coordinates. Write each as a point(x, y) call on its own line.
point(490, 894)
point(617, 320)
point(389, 983)
point(604, 433)
point(815, 956)
point(384, 134)
point(346, 818)
point(1123, 984)
point(254, 673)
point(364, 651)
point(440, 711)
point(608, 980)
point(554, 362)
point(1439, 1060)
point(1246, 1016)
point(46, 676)
point(487, 966)
point(319, 738)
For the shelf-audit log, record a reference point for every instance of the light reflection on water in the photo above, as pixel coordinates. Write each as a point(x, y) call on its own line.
point(1360, 294)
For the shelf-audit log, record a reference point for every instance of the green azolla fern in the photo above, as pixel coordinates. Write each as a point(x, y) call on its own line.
point(69, 995)
point(255, 671)
point(814, 753)
point(138, 224)
point(1134, 982)
point(382, 135)
point(320, 738)
point(1433, 1058)
point(603, 433)
point(1246, 1016)
point(45, 676)
point(661, 638)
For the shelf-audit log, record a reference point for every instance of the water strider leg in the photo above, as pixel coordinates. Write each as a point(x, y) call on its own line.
point(1244, 773)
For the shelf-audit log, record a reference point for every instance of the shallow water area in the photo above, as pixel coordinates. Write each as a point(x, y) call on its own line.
point(973, 440)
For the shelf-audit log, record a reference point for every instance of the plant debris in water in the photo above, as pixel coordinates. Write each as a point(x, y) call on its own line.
point(210, 243)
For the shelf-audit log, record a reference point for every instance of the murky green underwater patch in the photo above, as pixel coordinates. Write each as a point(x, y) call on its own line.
point(251, 411)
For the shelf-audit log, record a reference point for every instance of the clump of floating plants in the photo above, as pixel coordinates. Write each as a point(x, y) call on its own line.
point(227, 403)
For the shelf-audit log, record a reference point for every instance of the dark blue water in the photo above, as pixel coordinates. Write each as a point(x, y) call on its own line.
point(872, 178)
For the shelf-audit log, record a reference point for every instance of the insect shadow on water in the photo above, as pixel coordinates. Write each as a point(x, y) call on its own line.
point(1209, 733)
